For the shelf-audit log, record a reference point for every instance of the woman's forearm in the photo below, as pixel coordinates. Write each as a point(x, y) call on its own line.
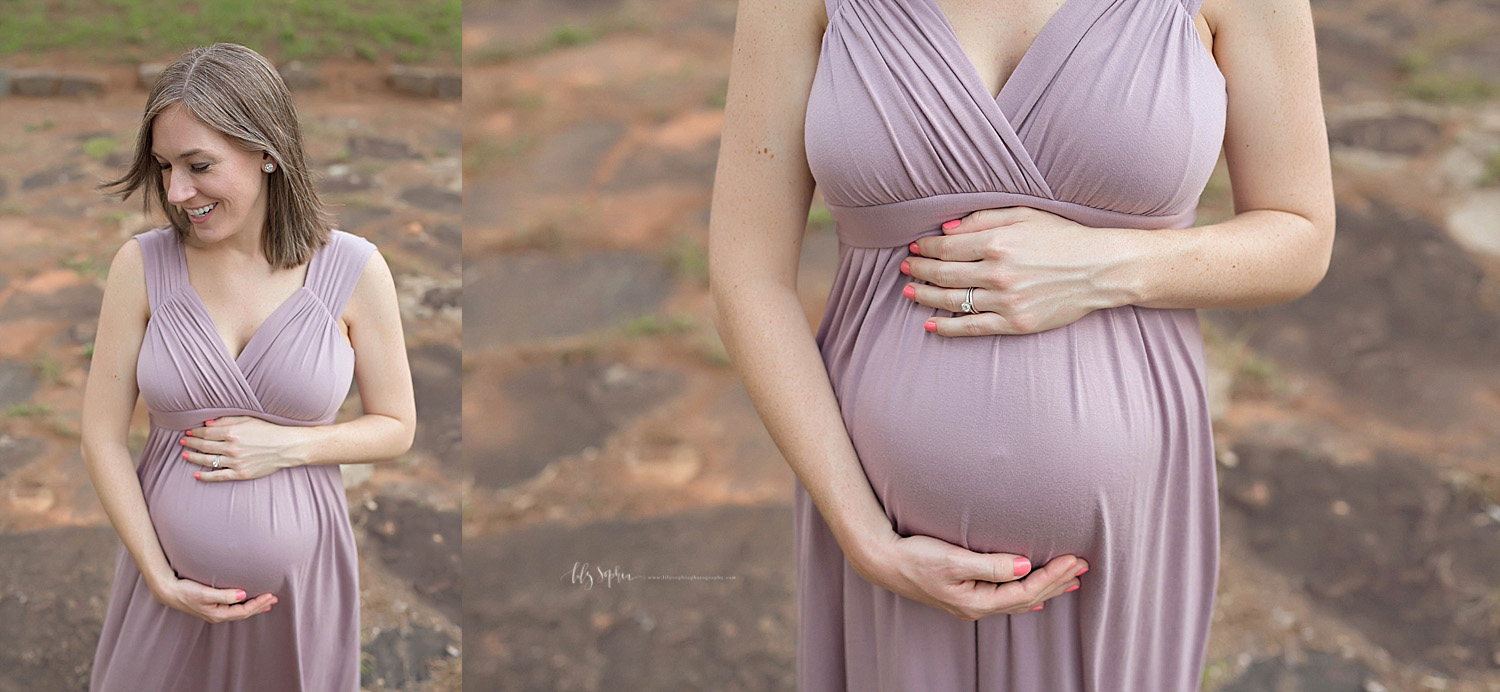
point(113, 474)
point(768, 338)
point(1259, 257)
point(369, 438)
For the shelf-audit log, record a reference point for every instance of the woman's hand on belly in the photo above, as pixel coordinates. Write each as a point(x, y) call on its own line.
point(244, 447)
point(209, 604)
point(967, 584)
point(1031, 271)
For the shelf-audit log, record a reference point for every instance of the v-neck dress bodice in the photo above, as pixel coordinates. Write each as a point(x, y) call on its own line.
point(1091, 439)
point(286, 533)
point(288, 372)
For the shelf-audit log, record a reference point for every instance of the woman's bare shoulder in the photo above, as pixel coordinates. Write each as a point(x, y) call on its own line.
point(128, 262)
point(125, 285)
point(1233, 13)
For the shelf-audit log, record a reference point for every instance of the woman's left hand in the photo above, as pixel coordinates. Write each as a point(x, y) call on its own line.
point(244, 447)
point(1032, 271)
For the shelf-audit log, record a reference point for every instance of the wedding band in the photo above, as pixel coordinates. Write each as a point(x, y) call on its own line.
point(968, 305)
point(217, 457)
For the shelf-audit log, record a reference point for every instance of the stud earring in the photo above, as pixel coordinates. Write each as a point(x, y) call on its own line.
point(269, 167)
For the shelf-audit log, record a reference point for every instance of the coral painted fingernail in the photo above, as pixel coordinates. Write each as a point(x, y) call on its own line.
point(906, 268)
point(930, 326)
point(184, 455)
point(239, 595)
point(1080, 572)
point(189, 433)
point(209, 421)
point(914, 249)
point(1037, 608)
point(1071, 588)
point(951, 225)
point(909, 292)
point(1023, 566)
point(275, 600)
point(197, 477)
point(181, 441)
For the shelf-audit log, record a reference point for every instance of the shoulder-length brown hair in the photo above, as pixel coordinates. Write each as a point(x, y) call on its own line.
point(235, 91)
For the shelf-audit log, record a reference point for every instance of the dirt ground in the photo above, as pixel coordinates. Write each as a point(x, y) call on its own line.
point(1357, 429)
point(391, 167)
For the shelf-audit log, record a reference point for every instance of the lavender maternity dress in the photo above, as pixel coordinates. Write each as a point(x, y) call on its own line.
point(1091, 439)
point(287, 533)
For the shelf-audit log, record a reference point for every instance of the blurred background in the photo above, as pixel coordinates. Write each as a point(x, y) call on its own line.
point(1358, 429)
point(376, 85)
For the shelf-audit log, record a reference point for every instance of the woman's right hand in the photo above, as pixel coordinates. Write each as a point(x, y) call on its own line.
point(964, 583)
point(209, 604)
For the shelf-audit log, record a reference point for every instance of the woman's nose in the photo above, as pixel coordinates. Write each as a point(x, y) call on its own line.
point(178, 189)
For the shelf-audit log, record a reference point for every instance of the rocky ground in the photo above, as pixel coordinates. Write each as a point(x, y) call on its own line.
point(390, 164)
point(1356, 429)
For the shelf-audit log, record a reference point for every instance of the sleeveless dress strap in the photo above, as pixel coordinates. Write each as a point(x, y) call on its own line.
point(832, 7)
point(161, 261)
point(1191, 6)
point(336, 269)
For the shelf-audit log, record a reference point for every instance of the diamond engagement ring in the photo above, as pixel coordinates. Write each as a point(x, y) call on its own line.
point(217, 459)
point(968, 305)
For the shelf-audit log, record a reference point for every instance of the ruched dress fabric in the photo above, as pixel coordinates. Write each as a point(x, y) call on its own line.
point(1092, 439)
point(287, 533)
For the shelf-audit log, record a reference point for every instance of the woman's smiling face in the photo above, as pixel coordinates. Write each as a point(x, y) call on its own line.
point(221, 187)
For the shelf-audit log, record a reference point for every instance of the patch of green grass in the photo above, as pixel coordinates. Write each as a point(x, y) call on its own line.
point(1491, 175)
point(28, 410)
point(1251, 374)
point(564, 36)
point(1422, 78)
point(1256, 373)
point(65, 427)
point(86, 266)
point(650, 326)
point(522, 100)
point(1216, 673)
point(356, 200)
point(136, 437)
point(99, 148)
point(1413, 61)
point(283, 30)
point(688, 259)
point(719, 95)
point(545, 236)
point(1443, 87)
point(819, 218)
point(48, 369)
point(711, 349)
point(117, 217)
point(484, 154)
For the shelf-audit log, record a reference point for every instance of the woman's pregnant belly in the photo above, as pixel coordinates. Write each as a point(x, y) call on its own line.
point(251, 535)
point(1034, 444)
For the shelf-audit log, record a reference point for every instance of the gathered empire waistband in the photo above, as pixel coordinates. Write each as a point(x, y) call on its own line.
point(182, 420)
point(899, 223)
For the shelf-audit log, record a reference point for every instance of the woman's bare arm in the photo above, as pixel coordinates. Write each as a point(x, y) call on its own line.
point(1038, 271)
point(1277, 246)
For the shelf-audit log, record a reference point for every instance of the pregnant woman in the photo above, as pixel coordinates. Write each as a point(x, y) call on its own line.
point(240, 324)
point(1007, 389)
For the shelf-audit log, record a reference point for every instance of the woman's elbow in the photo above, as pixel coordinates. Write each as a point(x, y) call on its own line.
point(1321, 258)
point(407, 435)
